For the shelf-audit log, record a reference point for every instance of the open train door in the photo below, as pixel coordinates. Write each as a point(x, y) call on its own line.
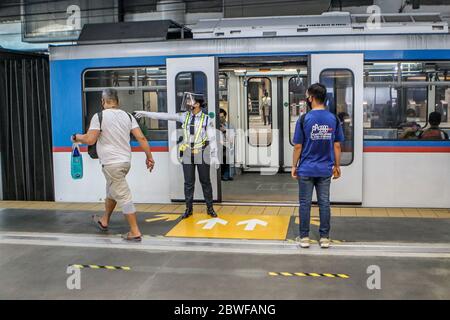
point(198, 75)
point(342, 74)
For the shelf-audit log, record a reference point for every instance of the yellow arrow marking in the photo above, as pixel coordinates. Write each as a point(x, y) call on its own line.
point(164, 217)
point(314, 221)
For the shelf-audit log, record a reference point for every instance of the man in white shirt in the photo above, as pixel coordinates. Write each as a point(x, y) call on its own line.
point(198, 149)
point(111, 132)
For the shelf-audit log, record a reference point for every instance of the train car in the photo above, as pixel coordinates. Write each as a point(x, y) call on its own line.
point(382, 81)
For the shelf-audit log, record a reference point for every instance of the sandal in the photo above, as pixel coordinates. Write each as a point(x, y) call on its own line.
point(127, 237)
point(98, 223)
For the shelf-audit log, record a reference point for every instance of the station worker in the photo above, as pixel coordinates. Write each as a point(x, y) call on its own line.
point(111, 131)
point(198, 148)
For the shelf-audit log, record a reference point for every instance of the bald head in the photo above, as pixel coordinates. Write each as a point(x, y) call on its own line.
point(110, 98)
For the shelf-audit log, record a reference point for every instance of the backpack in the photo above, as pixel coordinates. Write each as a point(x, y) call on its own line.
point(92, 150)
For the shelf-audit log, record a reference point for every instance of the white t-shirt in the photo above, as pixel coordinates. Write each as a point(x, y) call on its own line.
point(113, 144)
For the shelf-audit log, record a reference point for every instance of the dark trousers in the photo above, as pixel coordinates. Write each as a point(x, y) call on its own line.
point(189, 183)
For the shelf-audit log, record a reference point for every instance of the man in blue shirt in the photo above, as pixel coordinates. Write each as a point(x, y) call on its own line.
point(316, 158)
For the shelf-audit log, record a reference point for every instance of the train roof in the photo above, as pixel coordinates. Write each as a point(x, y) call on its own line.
point(322, 36)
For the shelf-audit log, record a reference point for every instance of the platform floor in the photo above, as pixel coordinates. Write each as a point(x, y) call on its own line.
point(289, 210)
point(188, 260)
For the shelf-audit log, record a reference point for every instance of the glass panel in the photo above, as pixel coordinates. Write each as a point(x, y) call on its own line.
point(340, 92)
point(153, 98)
point(114, 78)
point(442, 103)
point(259, 112)
point(194, 82)
point(152, 78)
point(297, 102)
point(381, 71)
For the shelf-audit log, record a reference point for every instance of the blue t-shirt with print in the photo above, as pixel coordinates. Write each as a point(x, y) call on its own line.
point(320, 130)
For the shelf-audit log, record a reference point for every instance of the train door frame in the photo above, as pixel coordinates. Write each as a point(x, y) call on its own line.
point(347, 189)
point(274, 163)
point(209, 67)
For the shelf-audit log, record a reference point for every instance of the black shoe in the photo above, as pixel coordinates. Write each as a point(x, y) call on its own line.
point(212, 213)
point(187, 214)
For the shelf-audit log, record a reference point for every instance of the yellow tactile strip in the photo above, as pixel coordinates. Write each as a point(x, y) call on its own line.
point(309, 274)
point(337, 211)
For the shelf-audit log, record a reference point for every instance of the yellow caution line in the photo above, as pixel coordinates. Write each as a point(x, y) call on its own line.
point(311, 274)
point(94, 266)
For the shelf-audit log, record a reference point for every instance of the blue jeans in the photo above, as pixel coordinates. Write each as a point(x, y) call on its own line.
point(306, 186)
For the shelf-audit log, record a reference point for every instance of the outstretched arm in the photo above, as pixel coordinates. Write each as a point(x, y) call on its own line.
point(160, 115)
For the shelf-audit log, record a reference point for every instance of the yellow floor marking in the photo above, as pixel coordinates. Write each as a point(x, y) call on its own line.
point(203, 226)
point(242, 209)
point(163, 217)
point(226, 210)
point(300, 274)
point(343, 276)
point(336, 212)
point(273, 273)
point(314, 274)
point(256, 210)
point(168, 208)
point(314, 211)
point(427, 213)
point(286, 211)
point(442, 214)
point(126, 268)
point(180, 209)
point(395, 212)
point(379, 212)
point(412, 213)
point(329, 275)
point(271, 211)
point(287, 274)
point(363, 212)
point(348, 212)
point(94, 266)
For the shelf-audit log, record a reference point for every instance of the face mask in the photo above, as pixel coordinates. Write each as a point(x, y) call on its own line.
point(410, 119)
point(347, 120)
point(308, 103)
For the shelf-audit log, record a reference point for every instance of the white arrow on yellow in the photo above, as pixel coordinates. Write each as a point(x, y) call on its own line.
point(210, 223)
point(252, 223)
point(164, 217)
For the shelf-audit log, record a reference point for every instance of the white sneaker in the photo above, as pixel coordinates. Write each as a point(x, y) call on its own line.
point(324, 243)
point(304, 242)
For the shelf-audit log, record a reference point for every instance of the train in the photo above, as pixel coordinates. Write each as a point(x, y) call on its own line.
point(379, 80)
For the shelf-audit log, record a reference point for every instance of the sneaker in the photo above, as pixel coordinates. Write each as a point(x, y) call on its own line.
point(304, 242)
point(324, 243)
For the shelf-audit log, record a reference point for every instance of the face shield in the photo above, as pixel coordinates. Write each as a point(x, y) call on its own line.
point(189, 100)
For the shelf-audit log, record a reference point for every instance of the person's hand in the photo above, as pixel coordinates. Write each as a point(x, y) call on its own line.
point(150, 163)
point(294, 172)
point(336, 172)
point(140, 114)
point(73, 138)
point(215, 162)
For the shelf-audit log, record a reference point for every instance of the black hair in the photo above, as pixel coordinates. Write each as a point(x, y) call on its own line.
point(201, 101)
point(318, 91)
point(221, 110)
point(434, 118)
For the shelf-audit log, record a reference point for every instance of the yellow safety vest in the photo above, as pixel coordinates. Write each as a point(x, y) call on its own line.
point(198, 143)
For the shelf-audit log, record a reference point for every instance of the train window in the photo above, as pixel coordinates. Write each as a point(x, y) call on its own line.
point(138, 89)
point(442, 105)
point(195, 82)
point(340, 101)
point(398, 97)
point(297, 102)
point(259, 112)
